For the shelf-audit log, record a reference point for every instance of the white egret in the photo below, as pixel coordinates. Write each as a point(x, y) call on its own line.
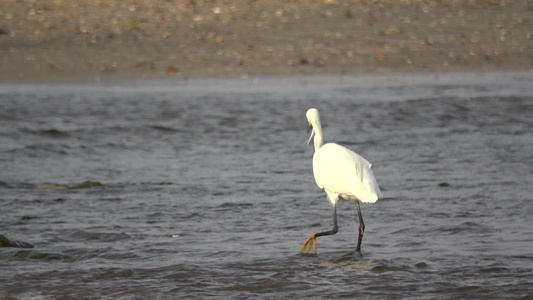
point(343, 174)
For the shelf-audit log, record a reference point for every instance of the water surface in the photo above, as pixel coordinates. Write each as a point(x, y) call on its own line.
point(204, 188)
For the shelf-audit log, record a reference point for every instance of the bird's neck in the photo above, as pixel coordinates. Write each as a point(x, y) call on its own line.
point(318, 138)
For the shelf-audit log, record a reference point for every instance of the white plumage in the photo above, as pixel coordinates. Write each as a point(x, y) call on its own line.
point(343, 174)
point(340, 171)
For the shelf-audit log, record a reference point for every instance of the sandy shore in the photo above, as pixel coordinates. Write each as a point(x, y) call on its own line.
point(99, 40)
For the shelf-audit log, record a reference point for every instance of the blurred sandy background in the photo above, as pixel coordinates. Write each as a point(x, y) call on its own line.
point(104, 39)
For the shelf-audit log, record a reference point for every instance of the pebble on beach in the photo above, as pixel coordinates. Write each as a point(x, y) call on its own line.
point(46, 40)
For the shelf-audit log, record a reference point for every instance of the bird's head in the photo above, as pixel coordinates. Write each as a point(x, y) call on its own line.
point(312, 115)
point(313, 118)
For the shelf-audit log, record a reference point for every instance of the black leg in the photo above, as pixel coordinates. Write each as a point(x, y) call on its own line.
point(335, 228)
point(311, 240)
point(361, 227)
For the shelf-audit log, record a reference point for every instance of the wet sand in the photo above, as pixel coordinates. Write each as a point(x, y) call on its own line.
point(101, 40)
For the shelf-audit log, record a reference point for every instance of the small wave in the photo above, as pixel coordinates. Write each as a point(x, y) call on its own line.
point(41, 150)
point(47, 133)
point(33, 254)
point(113, 273)
point(192, 216)
point(4, 185)
point(233, 205)
point(387, 268)
point(98, 236)
point(466, 227)
point(267, 286)
point(54, 133)
point(164, 128)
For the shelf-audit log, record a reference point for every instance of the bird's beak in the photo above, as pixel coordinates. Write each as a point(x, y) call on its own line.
point(312, 130)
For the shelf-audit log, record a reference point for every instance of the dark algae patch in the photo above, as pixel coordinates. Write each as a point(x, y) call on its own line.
point(87, 184)
point(5, 242)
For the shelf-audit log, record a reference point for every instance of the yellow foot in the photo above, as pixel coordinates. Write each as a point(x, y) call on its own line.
point(309, 243)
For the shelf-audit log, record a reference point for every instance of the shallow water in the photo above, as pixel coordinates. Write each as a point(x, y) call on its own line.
point(207, 188)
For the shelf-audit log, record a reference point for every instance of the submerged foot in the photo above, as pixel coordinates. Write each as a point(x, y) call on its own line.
point(309, 243)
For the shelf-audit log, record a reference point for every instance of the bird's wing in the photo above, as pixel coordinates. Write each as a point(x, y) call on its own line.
point(342, 171)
